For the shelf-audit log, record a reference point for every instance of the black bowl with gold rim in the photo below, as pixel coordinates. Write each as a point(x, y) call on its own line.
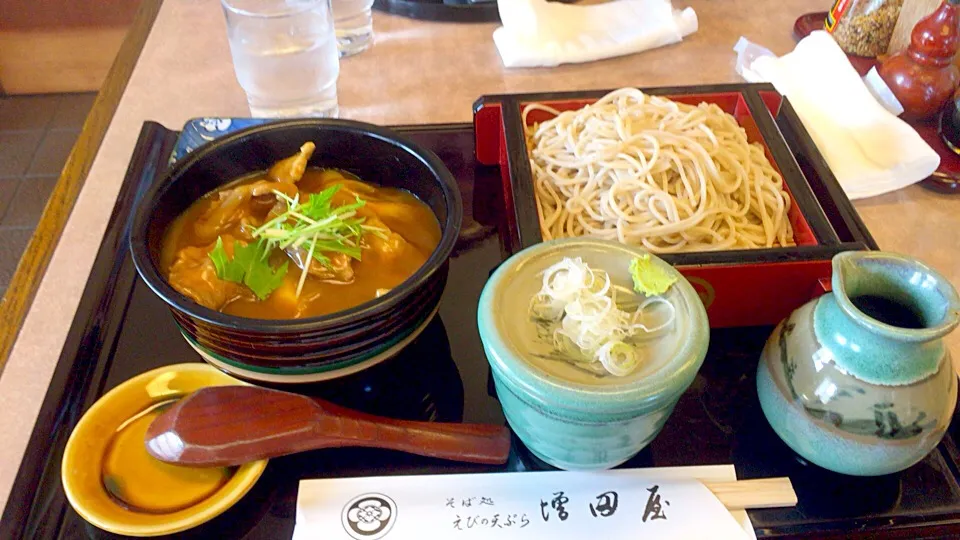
point(315, 348)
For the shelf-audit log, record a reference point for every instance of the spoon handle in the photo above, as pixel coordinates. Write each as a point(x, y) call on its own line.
point(231, 425)
point(473, 443)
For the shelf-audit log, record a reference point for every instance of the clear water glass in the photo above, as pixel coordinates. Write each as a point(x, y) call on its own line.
point(353, 22)
point(285, 56)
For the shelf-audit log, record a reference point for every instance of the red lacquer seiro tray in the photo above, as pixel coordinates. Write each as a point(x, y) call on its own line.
point(738, 287)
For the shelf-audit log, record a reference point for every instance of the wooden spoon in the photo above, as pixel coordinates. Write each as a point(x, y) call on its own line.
point(231, 425)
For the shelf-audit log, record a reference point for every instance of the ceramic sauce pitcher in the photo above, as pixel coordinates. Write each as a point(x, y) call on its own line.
point(858, 381)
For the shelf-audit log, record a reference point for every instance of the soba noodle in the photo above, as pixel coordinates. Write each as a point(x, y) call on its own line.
point(649, 171)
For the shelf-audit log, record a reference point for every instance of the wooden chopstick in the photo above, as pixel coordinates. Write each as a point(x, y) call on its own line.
point(758, 493)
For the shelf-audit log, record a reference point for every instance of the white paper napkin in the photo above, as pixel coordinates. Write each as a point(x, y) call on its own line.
point(870, 150)
point(537, 33)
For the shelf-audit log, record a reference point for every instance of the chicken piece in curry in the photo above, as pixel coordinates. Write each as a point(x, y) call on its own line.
point(297, 241)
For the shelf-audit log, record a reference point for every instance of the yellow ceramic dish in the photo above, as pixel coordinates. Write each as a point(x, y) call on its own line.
point(90, 447)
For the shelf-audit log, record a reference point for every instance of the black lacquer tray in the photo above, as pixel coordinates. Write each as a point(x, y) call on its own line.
point(121, 329)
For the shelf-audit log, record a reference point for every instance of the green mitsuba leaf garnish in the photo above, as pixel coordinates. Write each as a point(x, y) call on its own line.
point(249, 266)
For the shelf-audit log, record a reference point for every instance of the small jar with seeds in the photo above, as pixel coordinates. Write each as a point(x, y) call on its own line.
point(863, 27)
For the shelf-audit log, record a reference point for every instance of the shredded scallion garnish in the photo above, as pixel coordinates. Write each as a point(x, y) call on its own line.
point(318, 227)
point(583, 303)
point(315, 226)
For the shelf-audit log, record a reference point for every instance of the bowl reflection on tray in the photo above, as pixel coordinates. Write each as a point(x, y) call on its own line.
point(421, 382)
point(114, 484)
point(322, 345)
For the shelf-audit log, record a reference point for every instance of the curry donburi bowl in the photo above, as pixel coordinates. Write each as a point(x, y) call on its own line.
point(322, 346)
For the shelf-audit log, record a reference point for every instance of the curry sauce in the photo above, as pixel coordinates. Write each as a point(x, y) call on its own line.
point(406, 233)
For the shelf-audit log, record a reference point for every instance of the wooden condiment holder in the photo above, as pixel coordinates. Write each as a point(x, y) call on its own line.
point(911, 13)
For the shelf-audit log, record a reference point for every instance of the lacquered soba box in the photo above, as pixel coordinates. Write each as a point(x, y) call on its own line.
point(744, 287)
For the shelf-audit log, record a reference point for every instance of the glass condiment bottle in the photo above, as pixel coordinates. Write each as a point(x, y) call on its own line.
point(923, 77)
point(863, 27)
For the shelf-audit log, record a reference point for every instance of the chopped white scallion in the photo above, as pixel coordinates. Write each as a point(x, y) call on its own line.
point(306, 266)
point(584, 302)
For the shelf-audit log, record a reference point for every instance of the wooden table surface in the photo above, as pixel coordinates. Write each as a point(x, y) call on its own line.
point(418, 72)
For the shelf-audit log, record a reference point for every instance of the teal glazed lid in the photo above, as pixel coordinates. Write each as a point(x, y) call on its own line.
point(524, 360)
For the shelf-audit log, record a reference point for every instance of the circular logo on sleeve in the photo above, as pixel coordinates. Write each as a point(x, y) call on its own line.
point(369, 516)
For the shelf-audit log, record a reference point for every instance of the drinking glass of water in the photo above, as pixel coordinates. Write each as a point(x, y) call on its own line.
point(353, 22)
point(285, 56)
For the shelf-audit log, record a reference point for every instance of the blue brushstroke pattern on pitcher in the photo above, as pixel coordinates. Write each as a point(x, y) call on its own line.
point(199, 131)
point(851, 393)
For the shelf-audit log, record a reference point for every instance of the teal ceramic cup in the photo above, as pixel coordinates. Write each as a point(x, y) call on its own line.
point(567, 416)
